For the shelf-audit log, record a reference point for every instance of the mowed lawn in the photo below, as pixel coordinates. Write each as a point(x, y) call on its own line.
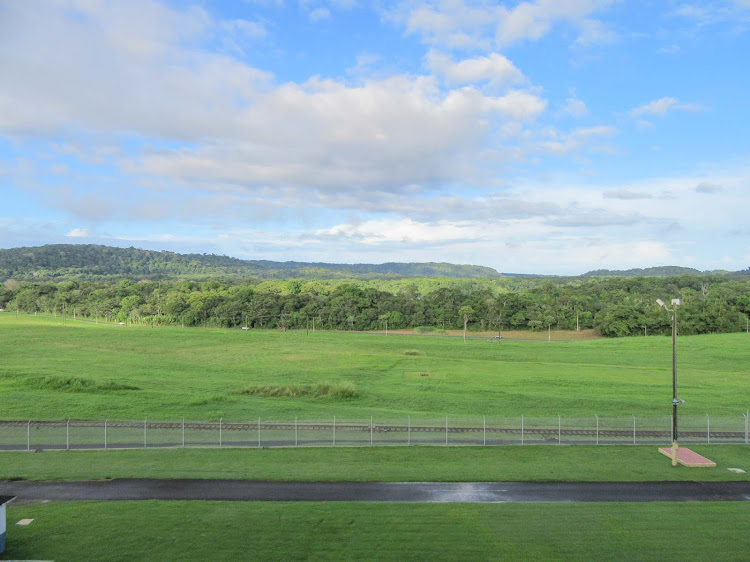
point(77, 370)
point(379, 531)
point(542, 463)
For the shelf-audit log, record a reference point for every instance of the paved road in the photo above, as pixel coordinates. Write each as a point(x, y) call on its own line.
point(465, 492)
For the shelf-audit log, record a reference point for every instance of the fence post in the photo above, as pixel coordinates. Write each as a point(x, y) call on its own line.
point(408, 430)
point(183, 432)
point(708, 429)
point(370, 431)
point(28, 435)
point(484, 429)
point(221, 419)
point(105, 434)
point(334, 431)
point(446, 430)
point(747, 419)
point(559, 428)
point(259, 432)
point(597, 428)
point(521, 429)
point(144, 432)
point(67, 436)
point(296, 441)
point(633, 428)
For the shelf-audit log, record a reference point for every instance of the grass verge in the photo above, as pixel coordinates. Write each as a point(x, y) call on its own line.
point(354, 531)
point(389, 464)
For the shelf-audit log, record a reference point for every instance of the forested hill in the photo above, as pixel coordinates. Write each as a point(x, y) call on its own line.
point(89, 261)
point(663, 271)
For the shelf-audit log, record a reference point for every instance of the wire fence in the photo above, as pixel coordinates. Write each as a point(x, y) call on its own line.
point(337, 432)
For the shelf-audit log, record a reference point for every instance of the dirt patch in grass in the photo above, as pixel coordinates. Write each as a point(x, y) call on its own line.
point(340, 391)
point(555, 335)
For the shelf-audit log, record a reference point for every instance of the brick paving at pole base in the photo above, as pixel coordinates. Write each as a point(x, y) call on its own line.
point(688, 457)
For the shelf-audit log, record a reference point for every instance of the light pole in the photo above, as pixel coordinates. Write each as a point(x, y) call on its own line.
point(675, 400)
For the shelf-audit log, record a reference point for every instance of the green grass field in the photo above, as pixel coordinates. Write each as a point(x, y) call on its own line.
point(51, 370)
point(355, 531)
point(394, 464)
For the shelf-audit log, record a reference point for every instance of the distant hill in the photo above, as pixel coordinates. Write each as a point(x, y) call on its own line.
point(666, 271)
point(88, 261)
point(662, 271)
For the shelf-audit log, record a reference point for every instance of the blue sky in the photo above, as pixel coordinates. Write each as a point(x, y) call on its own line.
point(544, 136)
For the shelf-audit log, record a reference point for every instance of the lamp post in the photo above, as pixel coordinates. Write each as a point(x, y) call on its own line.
point(675, 401)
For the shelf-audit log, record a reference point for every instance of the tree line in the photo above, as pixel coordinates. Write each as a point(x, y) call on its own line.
point(613, 307)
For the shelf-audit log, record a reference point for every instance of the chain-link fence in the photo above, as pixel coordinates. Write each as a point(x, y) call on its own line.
point(338, 432)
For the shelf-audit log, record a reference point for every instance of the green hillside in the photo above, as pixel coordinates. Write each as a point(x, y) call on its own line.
point(89, 261)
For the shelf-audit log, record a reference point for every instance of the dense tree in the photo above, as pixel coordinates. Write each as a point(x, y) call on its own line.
point(613, 306)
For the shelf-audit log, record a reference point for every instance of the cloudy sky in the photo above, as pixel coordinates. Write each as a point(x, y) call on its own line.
point(543, 136)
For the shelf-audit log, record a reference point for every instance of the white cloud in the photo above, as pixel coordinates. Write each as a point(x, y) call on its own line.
point(708, 188)
point(670, 49)
point(452, 24)
point(319, 14)
point(625, 194)
point(594, 32)
point(318, 10)
point(494, 68)
point(134, 67)
point(563, 144)
point(325, 135)
point(575, 107)
point(644, 125)
point(529, 226)
point(732, 12)
point(662, 106)
point(365, 61)
point(97, 68)
point(532, 20)
point(79, 233)
point(404, 230)
point(462, 24)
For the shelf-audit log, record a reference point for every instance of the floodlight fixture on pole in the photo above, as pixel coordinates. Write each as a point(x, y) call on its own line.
point(675, 401)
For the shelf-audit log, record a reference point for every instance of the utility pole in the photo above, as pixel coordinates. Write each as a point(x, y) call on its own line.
point(675, 401)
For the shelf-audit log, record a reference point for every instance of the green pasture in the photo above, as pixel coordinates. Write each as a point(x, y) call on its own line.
point(55, 370)
point(378, 464)
point(378, 531)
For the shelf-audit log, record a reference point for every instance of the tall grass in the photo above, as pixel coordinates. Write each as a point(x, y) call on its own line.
point(340, 391)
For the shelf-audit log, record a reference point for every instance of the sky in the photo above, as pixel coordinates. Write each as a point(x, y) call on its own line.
point(542, 136)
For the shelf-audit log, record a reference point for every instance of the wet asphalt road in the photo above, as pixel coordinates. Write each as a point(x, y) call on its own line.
point(463, 492)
